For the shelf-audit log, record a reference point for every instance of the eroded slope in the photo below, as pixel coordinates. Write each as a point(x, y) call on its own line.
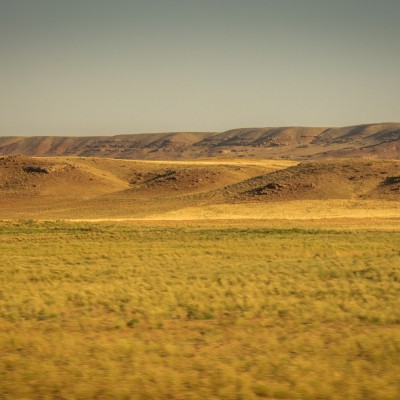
point(298, 143)
point(324, 179)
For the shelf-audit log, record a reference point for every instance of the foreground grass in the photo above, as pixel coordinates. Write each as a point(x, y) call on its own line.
point(119, 312)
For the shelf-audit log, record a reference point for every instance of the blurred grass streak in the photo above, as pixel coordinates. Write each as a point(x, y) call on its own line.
point(97, 311)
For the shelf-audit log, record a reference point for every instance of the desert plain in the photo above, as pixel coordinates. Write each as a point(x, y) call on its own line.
point(219, 273)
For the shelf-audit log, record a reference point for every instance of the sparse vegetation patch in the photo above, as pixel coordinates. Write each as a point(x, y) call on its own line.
point(35, 170)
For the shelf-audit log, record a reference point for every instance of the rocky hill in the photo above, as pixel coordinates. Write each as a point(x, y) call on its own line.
point(322, 180)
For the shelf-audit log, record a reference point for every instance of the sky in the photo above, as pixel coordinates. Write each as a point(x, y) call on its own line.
point(97, 67)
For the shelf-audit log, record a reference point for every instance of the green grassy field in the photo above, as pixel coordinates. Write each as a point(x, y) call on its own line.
point(97, 311)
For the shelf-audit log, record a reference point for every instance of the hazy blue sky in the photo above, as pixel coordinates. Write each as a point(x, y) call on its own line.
point(85, 67)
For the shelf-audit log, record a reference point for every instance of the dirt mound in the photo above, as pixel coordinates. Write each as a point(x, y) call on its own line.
point(48, 177)
point(328, 179)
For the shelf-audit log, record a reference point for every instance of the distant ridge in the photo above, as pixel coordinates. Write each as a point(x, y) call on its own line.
point(298, 143)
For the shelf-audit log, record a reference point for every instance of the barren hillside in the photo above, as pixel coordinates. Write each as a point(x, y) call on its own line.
point(323, 180)
point(81, 187)
point(72, 186)
point(298, 143)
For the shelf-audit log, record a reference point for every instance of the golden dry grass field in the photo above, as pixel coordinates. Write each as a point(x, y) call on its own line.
point(100, 311)
point(199, 280)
